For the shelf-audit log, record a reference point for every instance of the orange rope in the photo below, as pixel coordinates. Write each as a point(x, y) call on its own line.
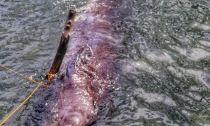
point(50, 76)
point(39, 84)
point(24, 76)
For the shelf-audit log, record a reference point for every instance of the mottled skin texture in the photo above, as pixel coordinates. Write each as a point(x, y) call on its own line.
point(87, 73)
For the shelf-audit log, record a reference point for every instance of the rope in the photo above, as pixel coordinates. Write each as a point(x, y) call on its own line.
point(19, 106)
point(50, 76)
point(24, 76)
point(39, 84)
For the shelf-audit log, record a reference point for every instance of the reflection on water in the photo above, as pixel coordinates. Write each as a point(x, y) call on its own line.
point(166, 54)
point(164, 57)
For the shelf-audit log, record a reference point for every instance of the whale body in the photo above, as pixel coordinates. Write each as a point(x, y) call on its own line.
point(88, 71)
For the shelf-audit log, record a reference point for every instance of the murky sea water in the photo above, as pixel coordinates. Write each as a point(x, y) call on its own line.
point(164, 56)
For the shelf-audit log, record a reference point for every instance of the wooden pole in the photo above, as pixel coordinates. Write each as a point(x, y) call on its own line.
point(62, 46)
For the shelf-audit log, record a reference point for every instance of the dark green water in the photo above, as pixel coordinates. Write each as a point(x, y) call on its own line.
point(165, 57)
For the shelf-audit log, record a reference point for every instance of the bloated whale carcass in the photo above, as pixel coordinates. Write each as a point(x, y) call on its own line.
point(87, 73)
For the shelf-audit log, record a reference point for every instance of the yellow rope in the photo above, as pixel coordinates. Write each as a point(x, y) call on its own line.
point(19, 106)
point(39, 84)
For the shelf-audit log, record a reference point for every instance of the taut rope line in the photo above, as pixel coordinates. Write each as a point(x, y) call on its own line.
point(39, 84)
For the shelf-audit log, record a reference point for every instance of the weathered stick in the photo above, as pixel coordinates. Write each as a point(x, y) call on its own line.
point(63, 45)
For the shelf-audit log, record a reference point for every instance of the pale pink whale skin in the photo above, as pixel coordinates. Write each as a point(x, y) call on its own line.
point(88, 71)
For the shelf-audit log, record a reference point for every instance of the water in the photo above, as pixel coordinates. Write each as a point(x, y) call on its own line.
point(164, 56)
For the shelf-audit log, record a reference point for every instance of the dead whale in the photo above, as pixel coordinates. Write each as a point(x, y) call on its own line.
point(87, 74)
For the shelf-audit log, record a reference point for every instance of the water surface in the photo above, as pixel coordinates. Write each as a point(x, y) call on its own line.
point(164, 58)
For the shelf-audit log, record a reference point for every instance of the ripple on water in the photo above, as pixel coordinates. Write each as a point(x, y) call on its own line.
point(164, 58)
